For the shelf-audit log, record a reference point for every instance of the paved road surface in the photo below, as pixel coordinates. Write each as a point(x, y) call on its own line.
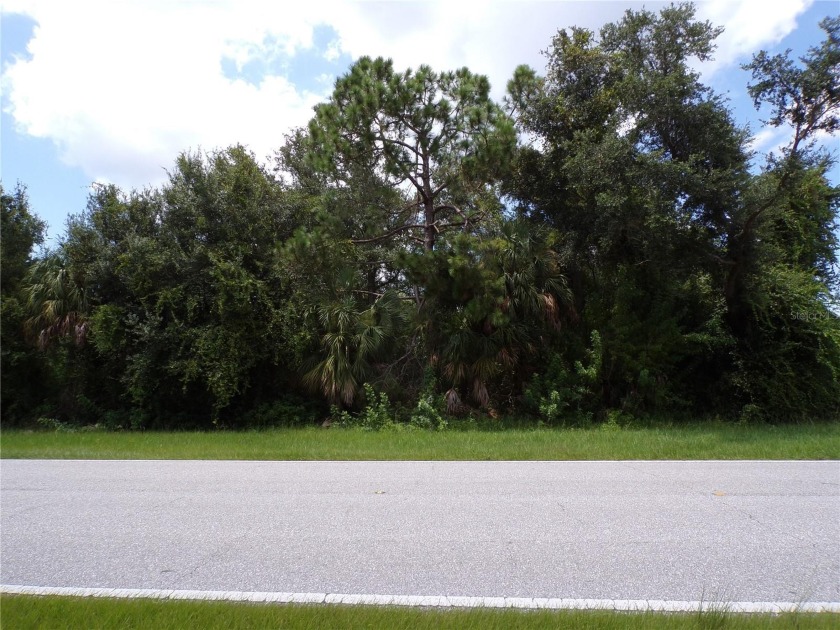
point(710, 531)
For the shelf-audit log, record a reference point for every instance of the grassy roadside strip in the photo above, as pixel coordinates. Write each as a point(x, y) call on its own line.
point(695, 441)
point(24, 612)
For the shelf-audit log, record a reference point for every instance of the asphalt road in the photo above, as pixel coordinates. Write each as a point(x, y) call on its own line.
point(710, 531)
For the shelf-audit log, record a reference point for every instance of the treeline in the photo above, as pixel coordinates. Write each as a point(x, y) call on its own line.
point(597, 246)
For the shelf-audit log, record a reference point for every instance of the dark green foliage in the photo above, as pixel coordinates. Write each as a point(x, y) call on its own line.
point(781, 248)
point(409, 262)
point(184, 296)
point(496, 299)
point(21, 231)
point(563, 394)
point(288, 411)
point(687, 264)
point(352, 342)
point(805, 96)
point(438, 134)
point(25, 375)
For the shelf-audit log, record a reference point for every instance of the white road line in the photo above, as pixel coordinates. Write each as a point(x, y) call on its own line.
point(437, 601)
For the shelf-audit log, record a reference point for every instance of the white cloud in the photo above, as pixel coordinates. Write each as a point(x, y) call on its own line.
point(771, 140)
point(333, 51)
point(750, 25)
point(121, 87)
point(775, 139)
point(490, 38)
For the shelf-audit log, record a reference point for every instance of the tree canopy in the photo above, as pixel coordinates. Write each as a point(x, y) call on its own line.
point(603, 244)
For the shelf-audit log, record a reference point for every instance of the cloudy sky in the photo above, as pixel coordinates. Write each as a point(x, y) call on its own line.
point(113, 90)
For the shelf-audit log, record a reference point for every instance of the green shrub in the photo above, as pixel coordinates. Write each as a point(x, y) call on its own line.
point(552, 407)
point(427, 414)
point(568, 396)
point(617, 420)
point(56, 425)
point(378, 413)
point(286, 412)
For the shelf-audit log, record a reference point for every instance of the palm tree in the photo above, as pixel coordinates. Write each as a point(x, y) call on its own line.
point(352, 341)
point(533, 297)
point(57, 305)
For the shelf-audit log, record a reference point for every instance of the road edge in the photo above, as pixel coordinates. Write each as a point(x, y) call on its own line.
point(437, 601)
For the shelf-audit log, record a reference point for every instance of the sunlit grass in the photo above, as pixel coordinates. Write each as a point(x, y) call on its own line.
point(695, 441)
point(57, 613)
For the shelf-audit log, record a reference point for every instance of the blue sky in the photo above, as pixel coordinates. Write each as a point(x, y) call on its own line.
point(112, 91)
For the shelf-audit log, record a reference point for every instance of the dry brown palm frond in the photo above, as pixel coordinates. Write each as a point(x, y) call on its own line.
point(480, 393)
point(453, 402)
point(508, 356)
point(455, 371)
point(551, 309)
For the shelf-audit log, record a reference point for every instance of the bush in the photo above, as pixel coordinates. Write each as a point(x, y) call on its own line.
point(378, 413)
point(564, 394)
point(427, 414)
point(617, 420)
point(286, 412)
point(56, 425)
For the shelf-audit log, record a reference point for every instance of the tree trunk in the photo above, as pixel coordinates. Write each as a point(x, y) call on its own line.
point(430, 231)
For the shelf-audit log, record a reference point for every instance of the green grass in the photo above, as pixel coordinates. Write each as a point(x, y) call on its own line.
point(695, 441)
point(55, 613)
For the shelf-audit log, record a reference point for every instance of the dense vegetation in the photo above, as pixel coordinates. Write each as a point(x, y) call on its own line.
point(602, 244)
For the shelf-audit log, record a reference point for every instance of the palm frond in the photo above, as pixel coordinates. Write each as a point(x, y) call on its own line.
point(57, 305)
